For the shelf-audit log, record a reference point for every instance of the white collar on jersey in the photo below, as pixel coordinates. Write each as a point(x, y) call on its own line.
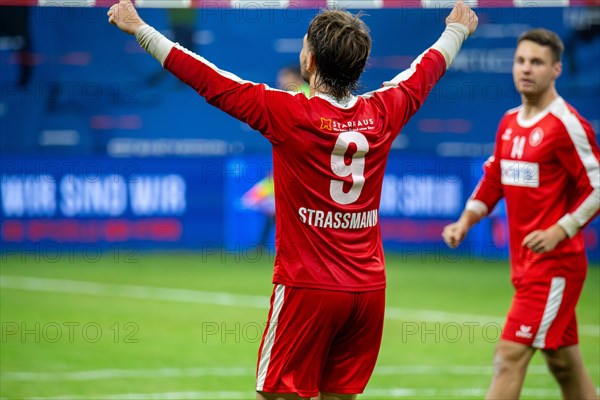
point(528, 123)
point(346, 103)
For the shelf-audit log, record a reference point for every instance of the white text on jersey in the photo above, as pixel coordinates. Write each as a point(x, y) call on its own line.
point(338, 220)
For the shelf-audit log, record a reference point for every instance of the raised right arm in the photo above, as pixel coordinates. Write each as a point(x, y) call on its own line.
point(404, 95)
point(244, 100)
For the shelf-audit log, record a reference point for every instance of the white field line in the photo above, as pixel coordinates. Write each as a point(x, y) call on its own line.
point(391, 370)
point(392, 393)
point(156, 396)
point(102, 374)
point(228, 299)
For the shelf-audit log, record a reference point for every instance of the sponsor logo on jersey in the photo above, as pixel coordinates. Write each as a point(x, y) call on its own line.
point(520, 173)
point(536, 137)
point(342, 126)
point(326, 124)
point(524, 332)
point(507, 134)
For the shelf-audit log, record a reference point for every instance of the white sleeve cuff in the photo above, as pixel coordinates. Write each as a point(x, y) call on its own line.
point(478, 207)
point(450, 42)
point(569, 224)
point(154, 42)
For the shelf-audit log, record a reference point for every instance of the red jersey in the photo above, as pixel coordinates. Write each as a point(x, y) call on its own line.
point(329, 160)
point(547, 169)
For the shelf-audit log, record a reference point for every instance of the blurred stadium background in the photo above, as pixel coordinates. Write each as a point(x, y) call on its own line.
point(130, 266)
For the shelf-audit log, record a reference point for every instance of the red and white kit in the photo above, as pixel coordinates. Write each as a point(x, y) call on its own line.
point(329, 159)
point(547, 169)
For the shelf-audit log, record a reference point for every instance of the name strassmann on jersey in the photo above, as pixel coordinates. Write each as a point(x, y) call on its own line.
point(338, 220)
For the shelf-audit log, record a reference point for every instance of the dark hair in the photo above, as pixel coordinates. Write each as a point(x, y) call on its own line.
point(545, 37)
point(341, 44)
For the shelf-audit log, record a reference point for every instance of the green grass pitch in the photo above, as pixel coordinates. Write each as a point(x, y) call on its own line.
point(185, 326)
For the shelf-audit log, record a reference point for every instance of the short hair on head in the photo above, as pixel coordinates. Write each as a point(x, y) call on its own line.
point(547, 38)
point(341, 44)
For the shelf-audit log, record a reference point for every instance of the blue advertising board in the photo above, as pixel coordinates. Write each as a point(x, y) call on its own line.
point(100, 145)
point(166, 204)
point(93, 90)
point(420, 196)
point(199, 204)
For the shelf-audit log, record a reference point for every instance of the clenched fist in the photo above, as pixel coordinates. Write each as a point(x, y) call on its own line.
point(462, 14)
point(125, 17)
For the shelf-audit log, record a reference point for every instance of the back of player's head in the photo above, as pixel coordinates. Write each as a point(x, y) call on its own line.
point(341, 44)
point(547, 38)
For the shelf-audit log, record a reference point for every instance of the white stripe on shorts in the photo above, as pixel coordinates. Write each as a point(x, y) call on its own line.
point(265, 355)
point(557, 288)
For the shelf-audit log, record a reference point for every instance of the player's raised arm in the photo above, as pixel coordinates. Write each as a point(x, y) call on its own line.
point(410, 88)
point(244, 100)
point(124, 16)
point(462, 20)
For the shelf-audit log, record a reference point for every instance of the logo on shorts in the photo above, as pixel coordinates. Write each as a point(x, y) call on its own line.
point(525, 332)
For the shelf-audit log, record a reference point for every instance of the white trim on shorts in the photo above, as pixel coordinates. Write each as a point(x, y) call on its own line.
point(265, 355)
point(555, 296)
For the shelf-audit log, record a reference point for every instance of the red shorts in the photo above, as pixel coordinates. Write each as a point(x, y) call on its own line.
point(320, 341)
point(542, 314)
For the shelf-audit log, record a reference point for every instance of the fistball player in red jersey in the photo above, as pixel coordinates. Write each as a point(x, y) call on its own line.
point(546, 166)
point(329, 154)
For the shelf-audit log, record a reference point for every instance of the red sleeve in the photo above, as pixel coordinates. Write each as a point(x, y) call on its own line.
point(579, 155)
point(489, 190)
point(402, 97)
point(247, 101)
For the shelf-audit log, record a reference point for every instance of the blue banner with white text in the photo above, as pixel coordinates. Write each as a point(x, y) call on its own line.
point(209, 204)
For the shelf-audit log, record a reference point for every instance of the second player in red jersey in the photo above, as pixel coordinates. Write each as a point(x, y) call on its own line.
point(546, 166)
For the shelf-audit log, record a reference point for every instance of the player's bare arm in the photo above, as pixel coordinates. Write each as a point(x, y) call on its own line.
point(544, 240)
point(125, 17)
point(453, 234)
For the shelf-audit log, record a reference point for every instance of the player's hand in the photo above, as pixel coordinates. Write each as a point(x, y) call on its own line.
point(125, 17)
point(462, 14)
point(454, 234)
point(543, 241)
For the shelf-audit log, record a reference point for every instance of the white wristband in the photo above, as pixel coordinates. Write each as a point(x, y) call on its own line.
point(154, 42)
point(478, 207)
point(450, 42)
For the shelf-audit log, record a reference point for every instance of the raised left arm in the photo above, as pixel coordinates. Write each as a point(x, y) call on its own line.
point(244, 100)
